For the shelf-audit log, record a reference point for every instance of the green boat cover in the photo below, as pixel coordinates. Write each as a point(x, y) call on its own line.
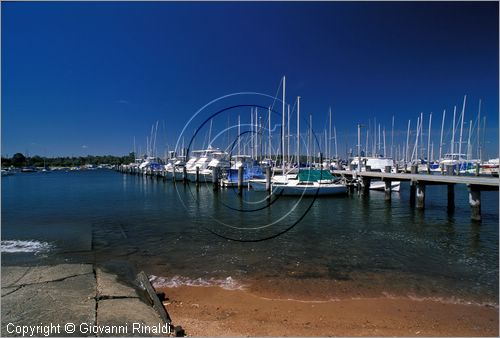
point(314, 175)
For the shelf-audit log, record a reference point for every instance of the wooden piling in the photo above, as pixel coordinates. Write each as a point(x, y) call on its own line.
point(420, 196)
point(268, 178)
point(475, 203)
point(184, 175)
point(367, 180)
point(197, 179)
point(413, 185)
point(449, 169)
point(240, 180)
point(478, 168)
point(451, 197)
point(387, 189)
point(215, 178)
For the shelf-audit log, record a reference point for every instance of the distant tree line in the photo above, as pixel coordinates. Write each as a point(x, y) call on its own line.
point(19, 160)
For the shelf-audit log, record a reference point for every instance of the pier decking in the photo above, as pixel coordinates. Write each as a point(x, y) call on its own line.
point(418, 182)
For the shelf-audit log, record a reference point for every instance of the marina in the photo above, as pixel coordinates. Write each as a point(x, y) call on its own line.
point(250, 169)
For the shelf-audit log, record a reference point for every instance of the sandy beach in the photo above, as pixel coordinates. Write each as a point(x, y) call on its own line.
point(214, 311)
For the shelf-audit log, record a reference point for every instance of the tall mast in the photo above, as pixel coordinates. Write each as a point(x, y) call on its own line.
point(260, 139)
point(251, 132)
point(385, 153)
point(453, 132)
point(256, 131)
point(415, 148)
point(482, 143)
point(461, 128)
point(407, 141)
point(288, 138)
point(329, 144)
point(367, 137)
point(335, 133)
point(309, 142)
point(298, 132)
point(392, 138)
point(324, 147)
point(359, 147)
point(283, 130)
point(441, 138)
point(239, 134)
point(429, 141)
point(469, 147)
point(269, 150)
point(421, 136)
point(379, 143)
point(478, 130)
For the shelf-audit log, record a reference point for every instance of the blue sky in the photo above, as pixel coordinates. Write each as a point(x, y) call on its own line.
point(86, 78)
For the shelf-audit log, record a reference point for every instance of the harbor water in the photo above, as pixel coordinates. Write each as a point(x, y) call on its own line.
point(335, 246)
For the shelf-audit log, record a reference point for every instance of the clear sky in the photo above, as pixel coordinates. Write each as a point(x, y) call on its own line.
point(84, 78)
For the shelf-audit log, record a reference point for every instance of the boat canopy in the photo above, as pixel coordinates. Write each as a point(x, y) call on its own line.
point(314, 175)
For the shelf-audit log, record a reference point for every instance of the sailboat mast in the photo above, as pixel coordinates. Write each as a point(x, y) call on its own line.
point(329, 144)
point(367, 137)
point(288, 138)
point(453, 132)
point(325, 146)
point(441, 138)
point(283, 130)
point(385, 153)
point(359, 147)
point(469, 147)
point(298, 132)
point(478, 130)
point(429, 142)
point(407, 141)
point(309, 141)
point(335, 133)
point(239, 134)
point(421, 137)
point(379, 143)
point(461, 128)
point(415, 148)
point(256, 132)
point(392, 138)
point(269, 150)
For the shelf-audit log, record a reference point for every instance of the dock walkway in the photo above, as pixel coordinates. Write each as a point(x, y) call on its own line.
point(418, 182)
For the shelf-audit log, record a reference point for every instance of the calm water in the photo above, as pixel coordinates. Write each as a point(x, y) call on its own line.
point(174, 231)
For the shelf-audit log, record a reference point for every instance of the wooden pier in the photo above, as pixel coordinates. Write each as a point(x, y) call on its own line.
point(418, 182)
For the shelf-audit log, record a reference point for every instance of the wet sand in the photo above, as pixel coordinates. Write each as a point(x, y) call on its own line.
point(214, 311)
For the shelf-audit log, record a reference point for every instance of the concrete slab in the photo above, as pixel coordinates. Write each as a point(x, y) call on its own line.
point(109, 285)
point(15, 276)
point(71, 293)
point(71, 300)
point(117, 312)
point(7, 290)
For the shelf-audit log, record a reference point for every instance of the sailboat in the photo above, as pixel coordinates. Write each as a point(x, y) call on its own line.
point(306, 182)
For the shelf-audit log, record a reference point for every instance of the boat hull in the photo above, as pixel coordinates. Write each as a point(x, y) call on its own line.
point(380, 185)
